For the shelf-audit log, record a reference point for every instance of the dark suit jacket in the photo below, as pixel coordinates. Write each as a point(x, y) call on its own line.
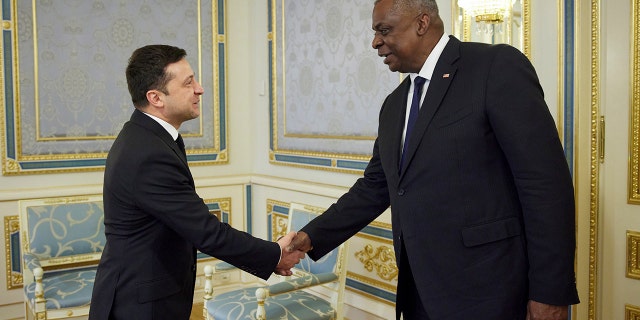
point(154, 222)
point(484, 204)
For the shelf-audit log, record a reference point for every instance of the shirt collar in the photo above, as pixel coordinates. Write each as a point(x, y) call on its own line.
point(170, 129)
point(430, 64)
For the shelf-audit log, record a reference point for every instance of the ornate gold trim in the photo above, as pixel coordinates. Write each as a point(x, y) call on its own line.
point(634, 125)
point(383, 225)
point(594, 158)
point(526, 28)
point(633, 254)
point(465, 25)
point(382, 259)
point(631, 312)
point(225, 206)
point(11, 225)
point(374, 238)
point(279, 221)
point(271, 203)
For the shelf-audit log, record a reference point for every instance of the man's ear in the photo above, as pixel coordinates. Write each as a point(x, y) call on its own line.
point(154, 98)
point(424, 22)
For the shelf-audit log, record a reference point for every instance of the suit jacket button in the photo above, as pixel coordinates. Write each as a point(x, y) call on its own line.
point(400, 192)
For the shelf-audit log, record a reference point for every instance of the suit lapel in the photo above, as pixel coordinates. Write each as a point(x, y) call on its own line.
point(443, 75)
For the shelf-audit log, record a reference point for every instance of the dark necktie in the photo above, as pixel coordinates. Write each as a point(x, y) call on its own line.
point(180, 143)
point(418, 82)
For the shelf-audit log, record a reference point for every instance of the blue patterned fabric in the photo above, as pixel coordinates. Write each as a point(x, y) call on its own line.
point(299, 219)
point(242, 305)
point(301, 283)
point(31, 261)
point(66, 229)
point(65, 289)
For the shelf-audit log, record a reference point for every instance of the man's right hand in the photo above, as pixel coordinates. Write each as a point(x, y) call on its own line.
point(301, 242)
point(288, 259)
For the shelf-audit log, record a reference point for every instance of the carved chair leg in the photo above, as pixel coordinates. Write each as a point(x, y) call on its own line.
point(261, 295)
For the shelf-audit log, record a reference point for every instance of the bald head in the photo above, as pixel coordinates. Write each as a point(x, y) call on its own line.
point(414, 7)
point(406, 31)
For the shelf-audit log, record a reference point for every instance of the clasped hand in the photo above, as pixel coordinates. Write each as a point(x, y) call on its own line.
point(288, 258)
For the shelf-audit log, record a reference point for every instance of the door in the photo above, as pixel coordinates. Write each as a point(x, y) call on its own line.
point(606, 217)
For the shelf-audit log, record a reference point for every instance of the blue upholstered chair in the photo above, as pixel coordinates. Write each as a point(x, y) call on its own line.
point(315, 291)
point(62, 241)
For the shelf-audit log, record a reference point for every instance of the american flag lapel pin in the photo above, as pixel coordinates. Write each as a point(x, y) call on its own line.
point(446, 75)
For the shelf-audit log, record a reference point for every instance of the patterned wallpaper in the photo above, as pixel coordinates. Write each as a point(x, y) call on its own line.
point(76, 83)
point(65, 61)
point(328, 82)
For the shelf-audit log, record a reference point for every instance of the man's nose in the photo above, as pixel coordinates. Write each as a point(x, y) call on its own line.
point(198, 88)
point(376, 42)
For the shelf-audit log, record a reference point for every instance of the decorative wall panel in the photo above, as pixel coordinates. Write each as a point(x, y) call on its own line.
point(631, 312)
point(65, 95)
point(277, 214)
point(372, 270)
point(12, 252)
point(634, 135)
point(633, 254)
point(327, 84)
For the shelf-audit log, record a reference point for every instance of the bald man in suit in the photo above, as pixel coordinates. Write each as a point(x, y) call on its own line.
point(480, 192)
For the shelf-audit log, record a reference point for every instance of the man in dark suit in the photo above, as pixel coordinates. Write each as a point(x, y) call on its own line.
point(154, 219)
point(481, 196)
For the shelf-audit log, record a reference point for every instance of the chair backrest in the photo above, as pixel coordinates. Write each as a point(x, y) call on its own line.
point(63, 231)
point(333, 262)
point(299, 216)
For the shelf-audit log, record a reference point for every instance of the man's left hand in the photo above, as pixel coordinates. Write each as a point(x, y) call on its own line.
point(541, 311)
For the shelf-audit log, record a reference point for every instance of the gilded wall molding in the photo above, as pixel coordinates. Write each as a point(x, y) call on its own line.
point(12, 252)
point(278, 225)
point(634, 125)
point(221, 208)
point(382, 259)
point(464, 26)
point(278, 215)
point(633, 254)
point(594, 158)
point(631, 312)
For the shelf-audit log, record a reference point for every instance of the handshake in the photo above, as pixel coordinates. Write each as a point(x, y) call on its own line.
point(293, 246)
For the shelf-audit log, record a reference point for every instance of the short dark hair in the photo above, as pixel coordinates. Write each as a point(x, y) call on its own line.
point(146, 70)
